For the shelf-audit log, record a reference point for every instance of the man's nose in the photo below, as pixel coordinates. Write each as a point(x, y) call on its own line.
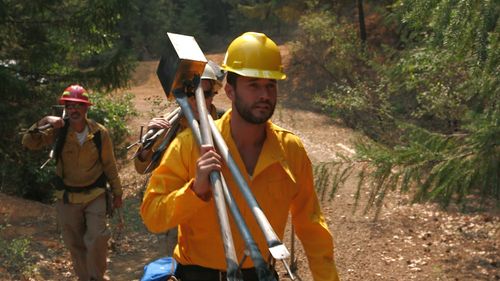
point(264, 93)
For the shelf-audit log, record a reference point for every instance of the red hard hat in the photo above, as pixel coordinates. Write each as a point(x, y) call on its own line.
point(75, 93)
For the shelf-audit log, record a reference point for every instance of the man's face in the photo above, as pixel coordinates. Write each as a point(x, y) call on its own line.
point(207, 87)
point(76, 111)
point(255, 98)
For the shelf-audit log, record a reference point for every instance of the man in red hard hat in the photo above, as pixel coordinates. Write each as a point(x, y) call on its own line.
point(85, 164)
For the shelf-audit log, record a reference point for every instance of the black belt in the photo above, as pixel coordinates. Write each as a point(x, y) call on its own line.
point(200, 273)
point(100, 182)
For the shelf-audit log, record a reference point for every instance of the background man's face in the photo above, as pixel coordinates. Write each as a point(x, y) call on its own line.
point(207, 87)
point(76, 111)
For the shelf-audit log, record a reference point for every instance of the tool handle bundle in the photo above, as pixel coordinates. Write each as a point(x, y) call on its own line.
point(205, 132)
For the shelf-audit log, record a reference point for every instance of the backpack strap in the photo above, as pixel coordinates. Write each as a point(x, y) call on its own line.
point(98, 143)
point(60, 139)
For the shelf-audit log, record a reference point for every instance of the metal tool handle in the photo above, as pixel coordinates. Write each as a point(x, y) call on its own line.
point(169, 136)
point(215, 179)
point(154, 133)
point(151, 135)
point(261, 267)
point(277, 249)
point(53, 149)
point(271, 237)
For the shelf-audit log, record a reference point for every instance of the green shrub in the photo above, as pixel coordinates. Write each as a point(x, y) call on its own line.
point(15, 255)
point(430, 105)
point(113, 112)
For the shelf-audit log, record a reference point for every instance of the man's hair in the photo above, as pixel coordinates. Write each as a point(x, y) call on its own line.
point(231, 78)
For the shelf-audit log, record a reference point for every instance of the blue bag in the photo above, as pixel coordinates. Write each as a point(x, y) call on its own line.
point(160, 269)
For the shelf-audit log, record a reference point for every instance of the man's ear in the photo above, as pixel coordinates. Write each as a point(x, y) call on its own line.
point(229, 91)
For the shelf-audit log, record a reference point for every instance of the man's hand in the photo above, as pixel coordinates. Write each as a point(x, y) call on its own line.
point(117, 202)
point(159, 123)
point(55, 121)
point(156, 123)
point(209, 161)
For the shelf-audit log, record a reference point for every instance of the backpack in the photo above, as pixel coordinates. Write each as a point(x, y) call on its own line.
point(162, 269)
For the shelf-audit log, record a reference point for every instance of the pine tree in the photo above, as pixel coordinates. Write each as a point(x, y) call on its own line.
point(46, 46)
point(435, 116)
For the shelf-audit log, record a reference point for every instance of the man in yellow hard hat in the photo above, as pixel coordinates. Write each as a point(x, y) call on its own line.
point(272, 160)
point(85, 164)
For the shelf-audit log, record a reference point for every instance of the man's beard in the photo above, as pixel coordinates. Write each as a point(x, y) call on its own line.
point(246, 111)
point(75, 115)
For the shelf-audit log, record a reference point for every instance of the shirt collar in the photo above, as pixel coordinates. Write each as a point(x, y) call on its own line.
point(272, 150)
point(92, 128)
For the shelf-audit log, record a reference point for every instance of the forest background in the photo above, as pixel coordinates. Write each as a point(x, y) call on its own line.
point(418, 78)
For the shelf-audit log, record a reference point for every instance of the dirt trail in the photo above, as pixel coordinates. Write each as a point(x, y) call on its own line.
point(414, 242)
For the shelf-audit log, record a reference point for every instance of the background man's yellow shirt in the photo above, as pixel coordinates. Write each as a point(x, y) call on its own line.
point(80, 163)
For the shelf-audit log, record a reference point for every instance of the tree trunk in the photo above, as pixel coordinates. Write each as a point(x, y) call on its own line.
point(362, 27)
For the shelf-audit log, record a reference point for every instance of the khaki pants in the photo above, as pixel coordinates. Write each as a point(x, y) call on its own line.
point(86, 236)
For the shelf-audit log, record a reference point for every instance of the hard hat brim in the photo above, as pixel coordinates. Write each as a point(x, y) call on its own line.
point(62, 100)
point(257, 73)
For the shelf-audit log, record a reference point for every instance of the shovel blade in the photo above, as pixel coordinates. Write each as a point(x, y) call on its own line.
point(279, 252)
point(181, 60)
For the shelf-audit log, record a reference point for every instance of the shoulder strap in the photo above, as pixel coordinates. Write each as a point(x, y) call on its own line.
point(98, 143)
point(60, 140)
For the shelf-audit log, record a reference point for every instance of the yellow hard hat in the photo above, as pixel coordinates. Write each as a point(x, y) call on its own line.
point(254, 55)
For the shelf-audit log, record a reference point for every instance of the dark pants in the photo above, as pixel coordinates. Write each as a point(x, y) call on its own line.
point(200, 273)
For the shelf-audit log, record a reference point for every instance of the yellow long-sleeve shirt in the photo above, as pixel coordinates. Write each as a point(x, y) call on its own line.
point(282, 182)
point(79, 165)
